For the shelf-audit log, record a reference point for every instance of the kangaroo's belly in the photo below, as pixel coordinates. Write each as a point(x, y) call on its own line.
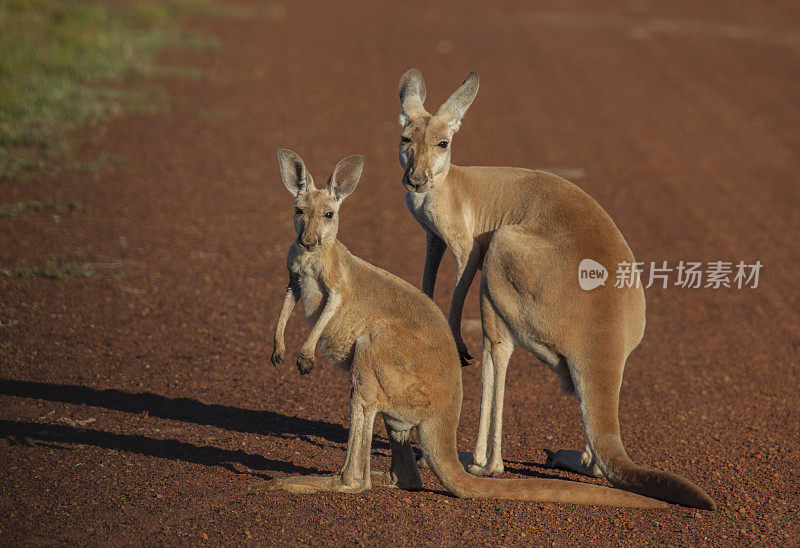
point(338, 340)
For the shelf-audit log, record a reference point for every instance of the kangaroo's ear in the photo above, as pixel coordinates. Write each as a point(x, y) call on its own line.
point(345, 177)
point(453, 110)
point(293, 172)
point(412, 96)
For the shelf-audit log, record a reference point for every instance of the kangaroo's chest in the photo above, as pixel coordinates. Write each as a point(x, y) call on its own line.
point(416, 203)
point(451, 223)
point(312, 295)
point(421, 206)
point(312, 292)
point(341, 330)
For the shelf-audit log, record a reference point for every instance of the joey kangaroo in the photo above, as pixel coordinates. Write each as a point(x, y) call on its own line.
point(397, 348)
point(529, 231)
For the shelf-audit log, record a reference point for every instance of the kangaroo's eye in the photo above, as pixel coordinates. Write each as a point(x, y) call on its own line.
point(442, 144)
point(405, 139)
point(329, 215)
point(298, 211)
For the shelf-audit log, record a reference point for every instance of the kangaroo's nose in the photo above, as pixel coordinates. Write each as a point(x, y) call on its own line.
point(308, 242)
point(417, 179)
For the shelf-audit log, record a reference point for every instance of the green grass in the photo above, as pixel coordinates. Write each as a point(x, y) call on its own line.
point(95, 164)
point(19, 209)
point(56, 267)
point(68, 63)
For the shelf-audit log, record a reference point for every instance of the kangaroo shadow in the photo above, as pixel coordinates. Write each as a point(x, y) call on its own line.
point(541, 471)
point(183, 409)
point(22, 433)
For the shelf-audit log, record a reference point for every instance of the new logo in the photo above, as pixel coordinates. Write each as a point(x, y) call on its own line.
point(591, 274)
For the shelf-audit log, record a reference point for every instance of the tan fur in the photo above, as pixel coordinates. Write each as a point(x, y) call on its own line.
point(396, 346)
point(528, 231)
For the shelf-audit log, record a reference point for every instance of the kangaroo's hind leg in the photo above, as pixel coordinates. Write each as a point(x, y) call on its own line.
point(480, 456)
point(516, 260)
point(354, 476)
point(572, 460)
point(498, 347)
point(404, 473)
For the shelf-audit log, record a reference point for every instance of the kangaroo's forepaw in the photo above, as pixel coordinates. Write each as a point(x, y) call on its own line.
point(489, 470)
point(305, 364)
point(277, 356)
point(572, 460)
point(465, 357)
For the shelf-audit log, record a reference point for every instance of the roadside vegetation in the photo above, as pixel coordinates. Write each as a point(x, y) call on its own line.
point(20, 209)
point(56, 267)
point(70, 63)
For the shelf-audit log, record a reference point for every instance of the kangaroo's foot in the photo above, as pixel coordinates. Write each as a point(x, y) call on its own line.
point(464, 457)
point(314, 484)
point(391, 479)
point(489, 469)
point(581, 462)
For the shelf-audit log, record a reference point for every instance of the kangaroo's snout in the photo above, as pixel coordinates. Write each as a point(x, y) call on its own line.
point(308, 242)
point(416, 180)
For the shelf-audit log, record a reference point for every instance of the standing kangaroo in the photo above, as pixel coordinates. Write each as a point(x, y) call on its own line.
point(397, 348)
point(529, 231)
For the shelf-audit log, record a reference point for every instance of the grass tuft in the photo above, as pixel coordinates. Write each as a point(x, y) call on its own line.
point(56, 267)
point(19, 209)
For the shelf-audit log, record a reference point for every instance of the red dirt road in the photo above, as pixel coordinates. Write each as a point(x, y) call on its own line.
point(680, 119)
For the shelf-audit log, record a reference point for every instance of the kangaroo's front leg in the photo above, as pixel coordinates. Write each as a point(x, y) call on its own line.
point(305, 361)
point(434, 251)
point(278, 346)
point(466, 267)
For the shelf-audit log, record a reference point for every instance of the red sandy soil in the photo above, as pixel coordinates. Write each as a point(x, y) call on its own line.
point(680, 119)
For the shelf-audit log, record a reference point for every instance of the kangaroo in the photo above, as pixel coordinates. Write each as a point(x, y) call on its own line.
point(529, 231)
point(397, 348)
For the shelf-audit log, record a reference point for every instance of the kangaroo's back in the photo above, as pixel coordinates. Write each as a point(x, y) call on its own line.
point(543, 203)
point(381, 293)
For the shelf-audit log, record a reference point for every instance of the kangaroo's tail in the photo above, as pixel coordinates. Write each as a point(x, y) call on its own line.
point(599, 408)
point(598, 396)
point(624, 474)
point(437, 438)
